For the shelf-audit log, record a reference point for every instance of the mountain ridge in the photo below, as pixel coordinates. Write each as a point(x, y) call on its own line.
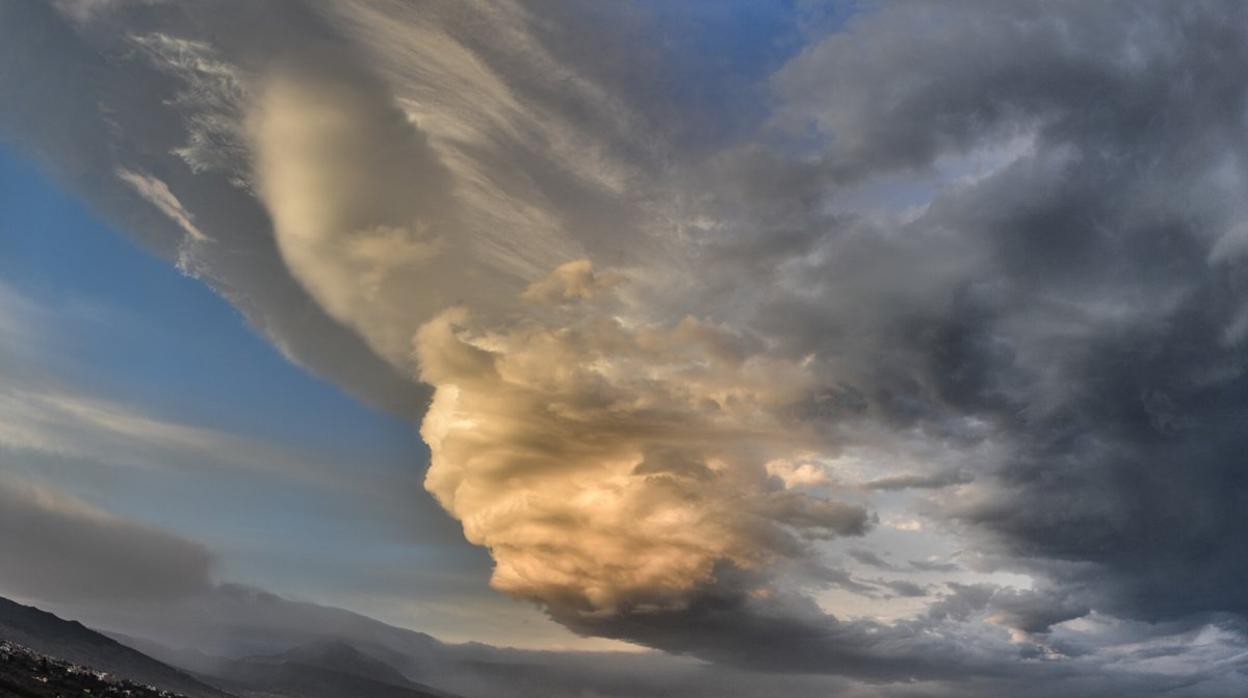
point(73, 642)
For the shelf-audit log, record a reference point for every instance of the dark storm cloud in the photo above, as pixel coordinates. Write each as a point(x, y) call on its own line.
point(55, 547)
point(787, 633)
point(1034, 611)
point(1102, 331)
point(1078, 302)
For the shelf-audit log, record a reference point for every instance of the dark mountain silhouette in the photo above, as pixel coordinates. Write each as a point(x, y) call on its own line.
point(72, 642)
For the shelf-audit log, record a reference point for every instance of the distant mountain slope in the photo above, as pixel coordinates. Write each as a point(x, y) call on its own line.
point(293, 680)
point(342, 657)
point(233, 620)
point(327, 668)
point(72, 642)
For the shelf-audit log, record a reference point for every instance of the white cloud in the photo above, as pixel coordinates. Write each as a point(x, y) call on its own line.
point(157, 192)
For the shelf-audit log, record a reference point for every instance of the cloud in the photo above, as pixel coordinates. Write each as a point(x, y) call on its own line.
point(610, 467)
point(360, 202)
point(914, 481)
point(60, 548)
point(157, 192)
point(1094, 331)
point(982, 259)
point(135, 94)
point(867, 557)
point(570, 282)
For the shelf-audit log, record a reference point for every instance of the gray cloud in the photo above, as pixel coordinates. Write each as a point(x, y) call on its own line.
point(915, 481)
point(1075, 296)
point(1101, 333)
point(59, 548)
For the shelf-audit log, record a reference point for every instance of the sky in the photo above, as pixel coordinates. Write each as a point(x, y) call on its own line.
point(887, 348)
point(105, 325)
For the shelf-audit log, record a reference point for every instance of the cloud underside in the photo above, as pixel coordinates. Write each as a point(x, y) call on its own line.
point(981, 264)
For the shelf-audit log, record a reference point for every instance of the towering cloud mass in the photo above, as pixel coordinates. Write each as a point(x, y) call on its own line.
point(969, 294)
point(611, 467)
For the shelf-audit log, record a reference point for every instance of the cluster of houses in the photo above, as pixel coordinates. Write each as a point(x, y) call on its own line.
point(24, 671)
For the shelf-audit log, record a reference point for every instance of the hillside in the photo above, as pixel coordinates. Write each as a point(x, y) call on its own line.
point(25, 673)
point(72, 642)
point(328, 668)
